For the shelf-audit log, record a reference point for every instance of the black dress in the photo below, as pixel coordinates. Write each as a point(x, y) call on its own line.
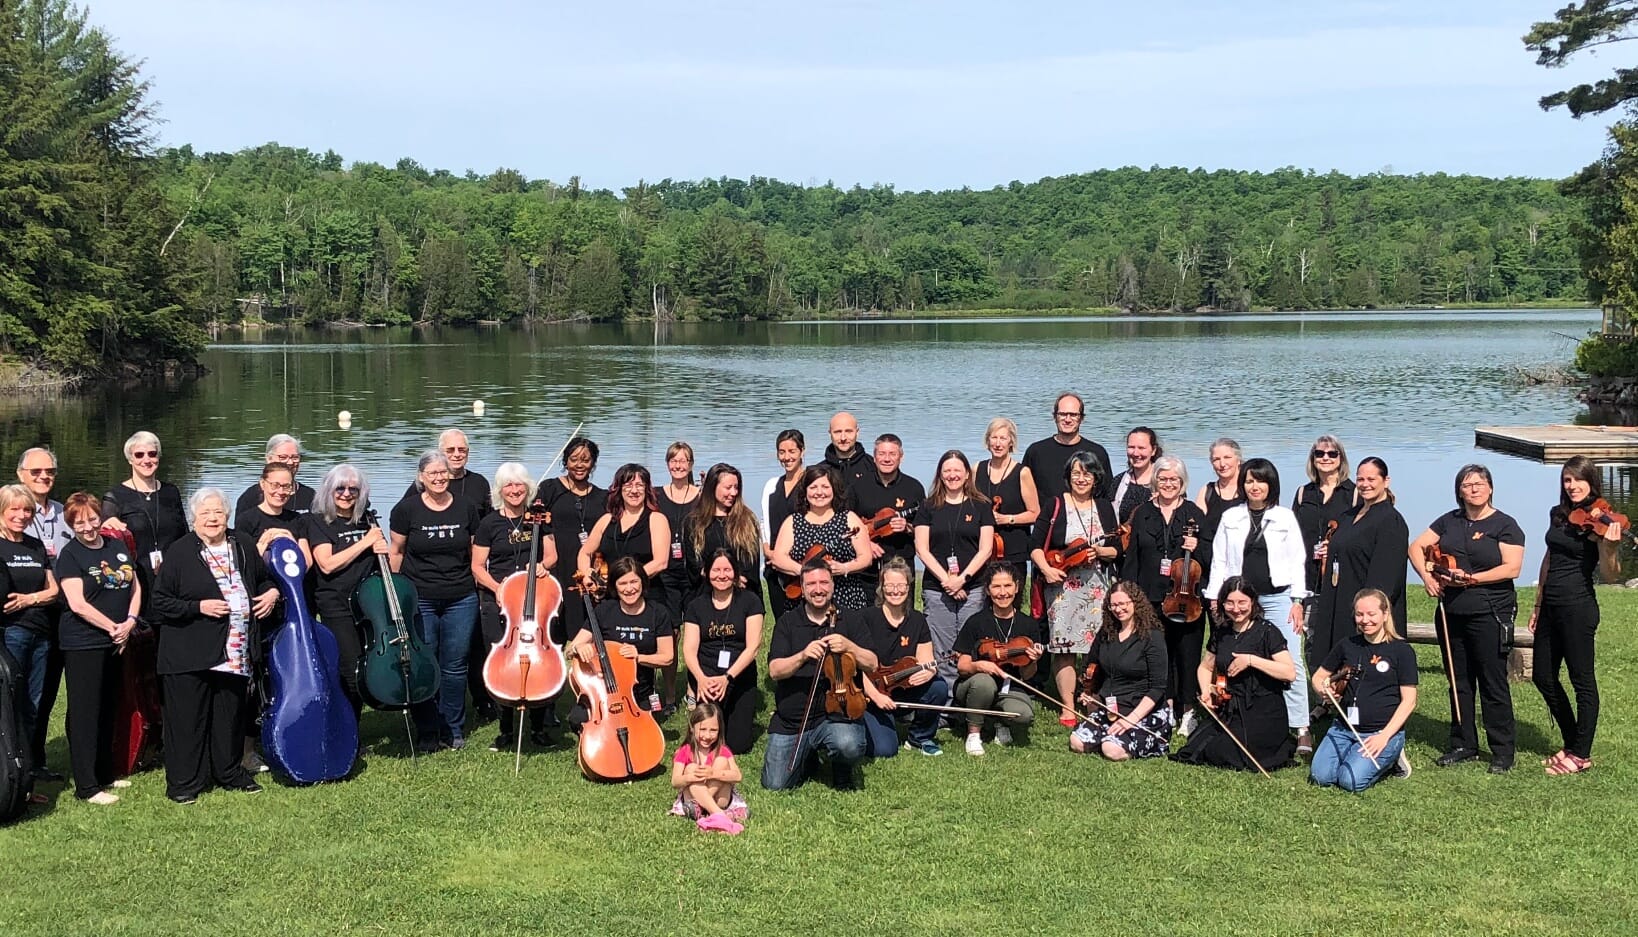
point(1255, 712)
point(1365, 553)
point(1313, 513)
point(1014, 539)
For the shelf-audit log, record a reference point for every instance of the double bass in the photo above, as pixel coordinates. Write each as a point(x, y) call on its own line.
point(525, 668)
point(309, 731)
point(620, 739)
point(398, 668)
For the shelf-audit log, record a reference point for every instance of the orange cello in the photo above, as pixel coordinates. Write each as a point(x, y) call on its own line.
point(620, 739)
point(525, 668)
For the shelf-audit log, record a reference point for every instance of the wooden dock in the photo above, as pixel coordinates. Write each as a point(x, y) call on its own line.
point(1557, 442)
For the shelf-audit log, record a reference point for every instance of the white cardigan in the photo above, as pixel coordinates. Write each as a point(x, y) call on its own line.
point(1287, 554)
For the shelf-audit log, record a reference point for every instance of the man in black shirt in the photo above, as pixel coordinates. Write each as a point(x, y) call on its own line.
point(463, 482)
point(1046, 458)
point(802, 638)
point(846, 457)
point(889, 488)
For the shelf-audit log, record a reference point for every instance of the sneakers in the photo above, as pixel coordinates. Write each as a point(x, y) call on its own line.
point(253, 763)
point(540, 738)
point(1402, 768)
point(1455, 757)
point(456, 743)
point(1003, 735)
point(1191, 719)
point(503, 743)
point(719, 823)
point(1501, 764)
point(1305, 744)
point(102, 799)
point(121, 784)
point(975, 745)
point(930, 749)
point(183, 799)
point(249, 787)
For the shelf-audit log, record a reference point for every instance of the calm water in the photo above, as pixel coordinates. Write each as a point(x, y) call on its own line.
point(1408, 387)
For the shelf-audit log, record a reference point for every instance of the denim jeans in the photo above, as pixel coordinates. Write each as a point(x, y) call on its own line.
point(29, 649)
point(1277, 609)
point(844, 742)
point(882, 726)
point(446, 624)
point(1338, 762)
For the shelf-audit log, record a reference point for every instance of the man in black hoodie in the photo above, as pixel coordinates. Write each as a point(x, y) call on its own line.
point(847, 457)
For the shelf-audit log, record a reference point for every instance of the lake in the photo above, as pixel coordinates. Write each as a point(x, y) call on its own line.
point(1406, 386)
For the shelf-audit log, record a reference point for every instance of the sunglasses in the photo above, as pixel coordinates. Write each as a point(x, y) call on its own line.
point(347, 490)
point(154, 454)
point(1327, 454)
point(39, 472)
point(455, 449)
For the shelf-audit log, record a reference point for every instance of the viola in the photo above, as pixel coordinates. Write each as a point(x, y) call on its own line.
point(888, 676)
point(1597, 517)
point(844, 697)
point(880, 524)
point(793, 589)
point(620, 739)
point(398, 669)
point(525, 667)
point(309, 730)
point(1013, 653)
point(1182, 603)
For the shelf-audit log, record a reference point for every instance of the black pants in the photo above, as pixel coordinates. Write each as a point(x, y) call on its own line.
point(1475, 646)
point(482, 705)
point(739, 710)
point(490, 630)
point(338, 618)
point(1183, 648)
point(48, 700)
point(1564, 636)
point(93, 691)
point(204, 712)
point(778, 602)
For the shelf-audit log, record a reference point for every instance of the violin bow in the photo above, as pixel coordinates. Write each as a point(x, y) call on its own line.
point(1449, 661)
point(1117, 716)
point(553, 464)
point(993, 713)
point(1021, 682)
point(807, 711)
point(1236, 739)
point(1351, 727)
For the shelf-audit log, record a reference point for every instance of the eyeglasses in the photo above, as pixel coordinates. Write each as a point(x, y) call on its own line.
point(145, 455)
point(1474, 486)
point(439, 474)
point(347, 490)
point(281, 486)
point(1063, 413)
point(39, 472)
point(455, 449)
point(1327, 454)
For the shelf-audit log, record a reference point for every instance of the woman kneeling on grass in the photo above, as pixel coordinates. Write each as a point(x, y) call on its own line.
point(1368, 741)
point(706, 776)
point(1130, 654)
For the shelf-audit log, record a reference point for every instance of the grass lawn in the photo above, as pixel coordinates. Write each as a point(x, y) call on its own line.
point(1025, 840)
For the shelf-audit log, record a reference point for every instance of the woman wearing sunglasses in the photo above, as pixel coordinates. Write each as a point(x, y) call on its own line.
point(344, 546)
point(1327, 495)
point(147, 507)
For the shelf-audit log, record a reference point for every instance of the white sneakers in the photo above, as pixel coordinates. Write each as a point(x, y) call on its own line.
point(1190, 720)
point(975, 745)
point(1003, 735)
point(102, 799)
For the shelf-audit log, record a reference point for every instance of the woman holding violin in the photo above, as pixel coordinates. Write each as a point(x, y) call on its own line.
point(1362, 552)
point(1583, 534)
point(1128, 674)
point(344, 546)
point(676, 500)
point(1247, 669)
point(1166, 557)
point(778, 503)
point(643, 630)
point(501, 547)
point(1325, 497)
point(908, 671)
point(1370, 681)
point(575, 505)
point(996, 647)
point(1468, 560)
point(631, 527)
point(721, 634)
point(1009, 487)
point(819, 528)
point(955, 539)
point(1260, 541)
point(1076, 551)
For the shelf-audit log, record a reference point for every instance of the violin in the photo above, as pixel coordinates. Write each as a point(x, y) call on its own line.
point(1442, 566)
point(1089, 679)
point(620, 739)
point(793, 589)
point(880, 524)
point(1079, 552)
point(1014, 653)
point(1182, 603)
point(1339, 681)
point(525, 668)
point(844, 697)
point(1219, 689)
point(1597, 517)
point(888, 676)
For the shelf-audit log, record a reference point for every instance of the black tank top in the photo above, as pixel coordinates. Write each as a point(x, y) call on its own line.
point(634, 543)
point(677, 515)
point(1015, 543)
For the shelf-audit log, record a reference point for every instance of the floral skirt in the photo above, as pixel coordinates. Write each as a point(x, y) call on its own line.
point(1138, 743)
point(736, 810)
point(1074, 609)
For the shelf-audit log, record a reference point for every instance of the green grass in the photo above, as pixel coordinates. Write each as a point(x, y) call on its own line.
point(1033, 840)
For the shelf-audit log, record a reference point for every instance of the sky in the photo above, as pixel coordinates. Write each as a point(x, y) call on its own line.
point(918, 94)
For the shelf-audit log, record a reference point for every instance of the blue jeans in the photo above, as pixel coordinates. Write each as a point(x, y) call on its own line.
point(844, 742)
point(1277, 609)
point(882, 726)
point(446, 624)
point(29, 649)
point(1338, 762)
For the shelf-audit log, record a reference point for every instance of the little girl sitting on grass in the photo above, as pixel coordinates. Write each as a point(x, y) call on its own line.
point(706, 776)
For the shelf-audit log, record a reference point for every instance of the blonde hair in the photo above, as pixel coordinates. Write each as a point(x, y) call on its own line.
point(1391, 633)
point(1002, 422)
point(15, 494)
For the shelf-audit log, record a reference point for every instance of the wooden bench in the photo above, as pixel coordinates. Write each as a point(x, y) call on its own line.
point(1519, 661)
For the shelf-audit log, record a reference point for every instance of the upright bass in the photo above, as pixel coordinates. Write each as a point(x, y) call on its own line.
point(309, 731)
point(620, 739)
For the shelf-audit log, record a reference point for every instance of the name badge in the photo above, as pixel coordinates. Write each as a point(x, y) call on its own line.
point(724, 658)
point(951, 564)
point(1165, 567)
point(1353, 715)
point(676, 549)
point(1006, 687)
point(1113, 704)
point(154, 559)
point(1336, 570)
point(584, 535)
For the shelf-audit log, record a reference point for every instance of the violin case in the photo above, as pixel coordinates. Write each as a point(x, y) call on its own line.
point(16, 771)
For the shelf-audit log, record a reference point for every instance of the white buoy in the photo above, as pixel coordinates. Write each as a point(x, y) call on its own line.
point(344, 419)
point(477, 408)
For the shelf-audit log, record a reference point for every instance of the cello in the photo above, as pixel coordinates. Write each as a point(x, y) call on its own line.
point(620, 739)
point(1182, 603)
point(525, 668)
point(398, 668)
point(309, 731)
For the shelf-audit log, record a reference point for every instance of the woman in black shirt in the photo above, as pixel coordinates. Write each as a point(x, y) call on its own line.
point(631, 527)
point(1477, 605)
point(1325, 497)
point(1255, 666)
point(1130, 654)
point(500, 548)
point(642, 629)
point(272, 516)
point(1565, 617)
point(345, 547)
point(1222, 492)
point(720, 520)
point(1377, 701)
point(1163, 530)
point(955, 540)
point(778, 503)
point(147, 507)
point(28, 589)
point(722, 633)
point(575, 505)
point(1365, 552)
point(676, 499)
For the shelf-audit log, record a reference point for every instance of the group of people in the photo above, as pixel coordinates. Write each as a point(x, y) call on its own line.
point(1135, 611)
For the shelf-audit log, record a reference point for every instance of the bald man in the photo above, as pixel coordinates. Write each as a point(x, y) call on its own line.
point(848, 458)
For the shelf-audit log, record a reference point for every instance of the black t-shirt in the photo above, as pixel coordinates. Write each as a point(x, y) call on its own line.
point(1254, 562)
point(1046, 459)
point(1379, 671)
point(676, 567)
point(777, 507)
point(986, 625)
point(890, 643)
point(792, 633)
point(1476, 545)
point(637, 541)
point(336, 589)
point(723, 630)
point(642, 631)
point(155, 518)
point(438, 548)
point(508, 540)
point(1572, 560)
point(1261, 639)
point(255, 522)
point(573, 517)
point(1132, 669)
point(23, 567)
point(902, 495)
point(469, 487)
point(953, 528)
point(107, 575)
point(301, 502)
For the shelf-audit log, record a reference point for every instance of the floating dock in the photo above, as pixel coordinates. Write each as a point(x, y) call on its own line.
point(1557, 442)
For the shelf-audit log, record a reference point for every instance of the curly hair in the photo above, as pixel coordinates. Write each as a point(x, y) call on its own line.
point(1144, 619)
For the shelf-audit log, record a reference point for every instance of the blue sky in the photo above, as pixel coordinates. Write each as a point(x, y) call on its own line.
point(913, 93)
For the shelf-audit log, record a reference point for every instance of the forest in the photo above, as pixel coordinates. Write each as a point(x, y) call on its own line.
point(116, 251)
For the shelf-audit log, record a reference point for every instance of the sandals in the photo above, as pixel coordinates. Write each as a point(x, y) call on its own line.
point(1565, 763)
point(1068, 721)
